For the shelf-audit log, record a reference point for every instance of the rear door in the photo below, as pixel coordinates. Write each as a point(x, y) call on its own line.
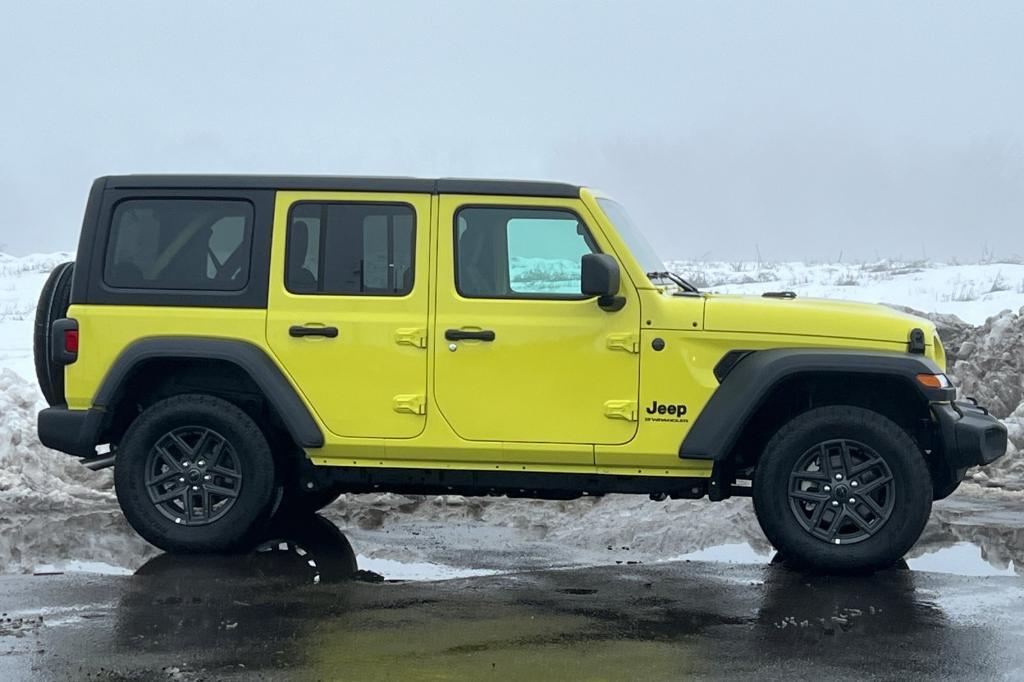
point(520, 354)
point(348, 305)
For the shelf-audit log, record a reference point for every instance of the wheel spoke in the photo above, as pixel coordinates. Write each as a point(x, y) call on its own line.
point(860, 521)
point(168, 495)
point(809, 495)
point(871, 486)
point(809, 476)
point(846, 459)
point(836, 524)
point(162, 477)
point(226, 473)
point(871, 504)
point(819, 511)
point(206, 504)
point(181, 444)
point(197, 451)
point(214, 459)
point(168, 458)
point(825, 460)
point(222, 491)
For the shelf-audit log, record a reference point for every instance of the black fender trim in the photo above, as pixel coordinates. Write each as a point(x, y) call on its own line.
point(250, 358)
point(752, 379)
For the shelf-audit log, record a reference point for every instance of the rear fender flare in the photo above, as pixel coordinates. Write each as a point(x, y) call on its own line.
point(250, 358)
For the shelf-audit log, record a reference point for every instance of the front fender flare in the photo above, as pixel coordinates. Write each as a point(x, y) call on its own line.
point(752, 379)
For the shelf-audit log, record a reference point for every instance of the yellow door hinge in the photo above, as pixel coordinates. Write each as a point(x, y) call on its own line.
point(410, 404)
point(627, 342)
point(620, 409)
point(411, 336)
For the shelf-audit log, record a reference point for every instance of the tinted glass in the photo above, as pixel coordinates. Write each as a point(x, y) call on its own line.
point(182, 244)
point(351, 249)
point(528, 253)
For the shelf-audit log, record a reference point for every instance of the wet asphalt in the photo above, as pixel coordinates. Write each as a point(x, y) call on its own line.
point(300, 608)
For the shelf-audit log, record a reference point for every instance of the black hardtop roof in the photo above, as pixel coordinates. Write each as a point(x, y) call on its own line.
point(346, 183)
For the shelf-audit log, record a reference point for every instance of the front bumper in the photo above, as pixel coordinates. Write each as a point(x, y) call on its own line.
point(970, 435)
point(75, 432)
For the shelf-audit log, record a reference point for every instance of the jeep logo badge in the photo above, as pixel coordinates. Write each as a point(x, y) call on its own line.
point(665, 413)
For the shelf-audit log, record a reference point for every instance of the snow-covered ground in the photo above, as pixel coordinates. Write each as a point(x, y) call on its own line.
point(973, 292)
point(21, 279)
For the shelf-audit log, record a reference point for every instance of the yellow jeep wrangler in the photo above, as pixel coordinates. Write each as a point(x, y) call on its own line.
point(239, 347)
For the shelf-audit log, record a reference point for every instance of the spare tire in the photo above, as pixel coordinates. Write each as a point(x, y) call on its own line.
point(53, 305)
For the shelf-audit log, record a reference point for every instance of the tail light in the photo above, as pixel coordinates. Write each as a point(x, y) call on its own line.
point(65, 341)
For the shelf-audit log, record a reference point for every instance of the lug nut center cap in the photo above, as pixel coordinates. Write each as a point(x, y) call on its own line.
point(194, 475)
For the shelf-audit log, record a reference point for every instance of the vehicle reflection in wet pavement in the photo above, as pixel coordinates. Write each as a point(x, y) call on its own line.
point(298, 604)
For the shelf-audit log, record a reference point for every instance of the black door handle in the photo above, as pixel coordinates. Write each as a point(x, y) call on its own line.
point(464, 335)
point(299, 330)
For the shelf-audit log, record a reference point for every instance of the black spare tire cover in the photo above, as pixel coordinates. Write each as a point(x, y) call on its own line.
point(53, 305)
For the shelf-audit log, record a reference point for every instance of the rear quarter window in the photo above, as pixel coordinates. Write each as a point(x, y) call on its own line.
point(179, 244)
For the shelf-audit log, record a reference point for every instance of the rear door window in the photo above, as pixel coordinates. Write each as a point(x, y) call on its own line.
point(180, 244)
point(351, 249)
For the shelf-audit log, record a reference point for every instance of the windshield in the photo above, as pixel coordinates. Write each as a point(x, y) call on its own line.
point(634, 238)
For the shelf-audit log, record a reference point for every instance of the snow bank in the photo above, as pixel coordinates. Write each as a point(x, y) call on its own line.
point(33, 477)
point(987, 363)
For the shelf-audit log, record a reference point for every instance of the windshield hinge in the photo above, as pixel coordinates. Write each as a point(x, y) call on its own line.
point(410, 404)
point(620, 409)
point(628, 342)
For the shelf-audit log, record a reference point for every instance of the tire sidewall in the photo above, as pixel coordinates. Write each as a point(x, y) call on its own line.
point(54, 300)
point(912, 489)
point(249, 511)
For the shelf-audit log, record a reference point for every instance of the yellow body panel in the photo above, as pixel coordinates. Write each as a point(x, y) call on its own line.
point(565, 386)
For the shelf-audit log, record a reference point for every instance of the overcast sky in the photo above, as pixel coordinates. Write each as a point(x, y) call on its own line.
point(800, 130)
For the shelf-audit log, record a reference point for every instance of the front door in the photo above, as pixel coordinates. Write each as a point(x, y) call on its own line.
point(347, 313)
point(520, 355)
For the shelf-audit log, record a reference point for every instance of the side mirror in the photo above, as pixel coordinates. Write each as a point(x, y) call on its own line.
point(599, 276)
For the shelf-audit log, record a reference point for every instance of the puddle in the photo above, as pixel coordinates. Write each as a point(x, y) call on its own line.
point(309, 551)
point(399, 570)
point(734, 553)
point(963, 558)
point(966, 536)
point(73, 566)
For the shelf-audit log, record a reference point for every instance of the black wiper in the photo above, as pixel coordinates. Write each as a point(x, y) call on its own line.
point(675, 279)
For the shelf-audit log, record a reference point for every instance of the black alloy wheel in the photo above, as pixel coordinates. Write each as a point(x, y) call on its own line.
point(841, 491)
point(193, 475)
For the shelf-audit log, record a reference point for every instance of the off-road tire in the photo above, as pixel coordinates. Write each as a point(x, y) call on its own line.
point(53, 304)
point(247, 515)
point(911, 489)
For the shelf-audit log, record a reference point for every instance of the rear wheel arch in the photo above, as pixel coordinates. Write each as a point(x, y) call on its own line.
point(150, 370)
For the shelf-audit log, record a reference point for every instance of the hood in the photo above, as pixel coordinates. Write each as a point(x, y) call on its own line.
point(812, 317)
